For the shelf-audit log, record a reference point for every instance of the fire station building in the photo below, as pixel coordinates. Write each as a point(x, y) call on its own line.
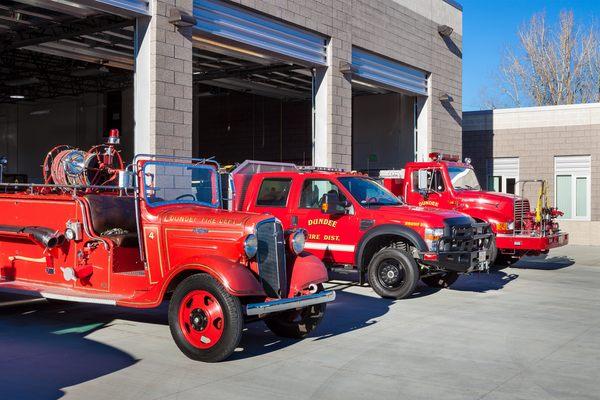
point(560, 144)
point(363, 84)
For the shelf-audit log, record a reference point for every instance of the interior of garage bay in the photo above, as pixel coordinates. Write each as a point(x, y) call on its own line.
point(66, 73)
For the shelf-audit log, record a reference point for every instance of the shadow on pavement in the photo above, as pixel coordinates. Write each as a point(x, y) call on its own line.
point(475, 282)
point(544, 262)
point(44, 350)
point(49, 339)
point(483, 282)
point(349, 312)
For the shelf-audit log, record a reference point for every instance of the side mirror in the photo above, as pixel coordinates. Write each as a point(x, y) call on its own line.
point(332, 205)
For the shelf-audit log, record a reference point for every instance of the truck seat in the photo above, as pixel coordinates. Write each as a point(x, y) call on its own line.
point(114, 217)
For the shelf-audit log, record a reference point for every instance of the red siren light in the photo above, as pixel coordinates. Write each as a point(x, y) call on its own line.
point(114, 137)
point(436, 156)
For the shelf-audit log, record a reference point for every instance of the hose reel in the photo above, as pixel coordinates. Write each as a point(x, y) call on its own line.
point(99, 166)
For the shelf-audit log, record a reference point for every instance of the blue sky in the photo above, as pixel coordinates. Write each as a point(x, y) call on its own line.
point(489, 26)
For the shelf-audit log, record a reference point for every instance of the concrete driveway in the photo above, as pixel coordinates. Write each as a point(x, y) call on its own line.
point(529, 332)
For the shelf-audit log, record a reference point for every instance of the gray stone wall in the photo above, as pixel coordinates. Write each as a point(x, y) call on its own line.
point(164, 83)
point(393, 29)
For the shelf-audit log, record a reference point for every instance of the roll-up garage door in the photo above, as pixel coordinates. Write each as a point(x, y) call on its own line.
point(121, 7)
point(371, 69)
point(222, 21)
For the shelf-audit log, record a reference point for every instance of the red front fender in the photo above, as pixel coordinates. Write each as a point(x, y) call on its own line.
point(237, 278)
point(305, 269)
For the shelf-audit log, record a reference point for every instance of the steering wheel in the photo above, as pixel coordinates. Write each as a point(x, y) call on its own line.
point(372, 200)
point(183, 196)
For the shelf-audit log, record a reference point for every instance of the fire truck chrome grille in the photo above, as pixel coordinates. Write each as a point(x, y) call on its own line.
point(522, 207)
point(271, 258)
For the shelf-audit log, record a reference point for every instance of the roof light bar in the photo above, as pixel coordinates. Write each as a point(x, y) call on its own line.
point(436, 156)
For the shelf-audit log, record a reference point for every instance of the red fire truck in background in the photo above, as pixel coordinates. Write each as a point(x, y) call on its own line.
point(97, 232)
point(354, 223)
point(446, 183)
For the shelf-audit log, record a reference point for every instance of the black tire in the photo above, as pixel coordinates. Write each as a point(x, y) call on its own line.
point(231, 318)
point(443, 280)
point(393, 273)
point(296, 324)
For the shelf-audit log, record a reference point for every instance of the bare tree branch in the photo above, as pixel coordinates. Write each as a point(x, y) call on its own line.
point(552, 65)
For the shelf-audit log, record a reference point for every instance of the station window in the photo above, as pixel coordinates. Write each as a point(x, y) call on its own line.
point(505, 174)
point(572, 179)
point(274, 192)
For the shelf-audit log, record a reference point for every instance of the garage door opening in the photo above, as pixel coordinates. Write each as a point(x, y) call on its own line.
point(244, 109)
point(385, 111)
point(253, 85)
point(67, 91)
point(383, 129)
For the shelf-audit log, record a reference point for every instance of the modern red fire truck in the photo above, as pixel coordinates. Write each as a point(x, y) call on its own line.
point(97, 232)
point(447, 183)
point(355, 223)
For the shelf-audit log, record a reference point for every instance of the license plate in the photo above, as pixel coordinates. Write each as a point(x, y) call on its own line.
point(561, 239)
point(482, 256)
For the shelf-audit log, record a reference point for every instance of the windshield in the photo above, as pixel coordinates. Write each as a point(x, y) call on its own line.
point(369, 193)
point(463, 178)
point(169, 183)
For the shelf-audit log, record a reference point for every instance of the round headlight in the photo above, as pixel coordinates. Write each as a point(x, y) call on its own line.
point(298, 241)
point(251, 245)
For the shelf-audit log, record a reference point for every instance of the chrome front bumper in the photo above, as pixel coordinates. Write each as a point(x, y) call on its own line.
point(292, 303)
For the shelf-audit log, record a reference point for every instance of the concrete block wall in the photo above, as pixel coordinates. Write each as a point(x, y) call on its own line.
point(164, 83)
point(536, 135)
point(403, 30)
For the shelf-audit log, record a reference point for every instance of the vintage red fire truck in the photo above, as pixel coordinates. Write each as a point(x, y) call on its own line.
point(96, 232)
point(447, 183)
point(355, 223)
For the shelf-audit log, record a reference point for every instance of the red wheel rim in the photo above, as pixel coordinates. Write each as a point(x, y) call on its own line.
point(201, 319)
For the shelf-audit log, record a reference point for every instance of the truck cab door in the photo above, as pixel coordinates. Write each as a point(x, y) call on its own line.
point(331, 237)
point(428, 188)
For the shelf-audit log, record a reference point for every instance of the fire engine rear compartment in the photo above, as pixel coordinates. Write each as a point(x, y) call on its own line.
point(109, 255)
